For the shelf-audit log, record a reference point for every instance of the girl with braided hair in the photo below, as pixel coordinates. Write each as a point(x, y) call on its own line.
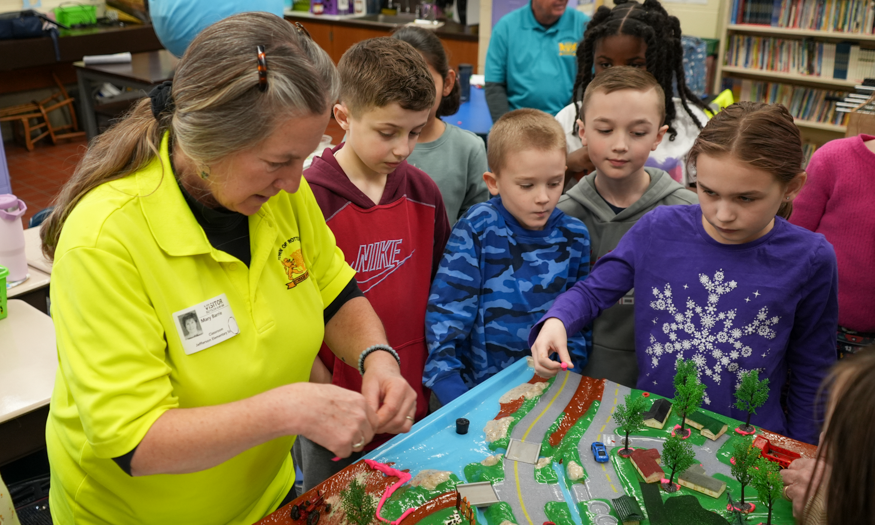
point(644, 36)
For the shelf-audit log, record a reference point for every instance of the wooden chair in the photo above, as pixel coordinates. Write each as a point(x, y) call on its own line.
point(26, 118)
point(46, 106)
point(34, 117)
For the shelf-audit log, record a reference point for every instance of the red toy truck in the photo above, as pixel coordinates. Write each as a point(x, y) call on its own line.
point(781, 456)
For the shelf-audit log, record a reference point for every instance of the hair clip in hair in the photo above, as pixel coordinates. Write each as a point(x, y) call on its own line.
point(302, 30)
point(262, 68)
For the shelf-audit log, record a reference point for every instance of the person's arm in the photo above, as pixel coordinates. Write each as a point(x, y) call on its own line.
point(496, 72)
point(577, 156)
point(186, 440)
point(810, 205)
point(353, 329)
point(496, 100)
point(577, 162)
point(811, 349)
point(611, 278)
point(475, 191)
point(452, 309)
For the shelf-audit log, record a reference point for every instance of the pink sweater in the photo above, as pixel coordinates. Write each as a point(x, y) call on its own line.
point(837, 201)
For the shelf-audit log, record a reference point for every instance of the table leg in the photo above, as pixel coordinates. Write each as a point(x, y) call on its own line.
point(86, 102)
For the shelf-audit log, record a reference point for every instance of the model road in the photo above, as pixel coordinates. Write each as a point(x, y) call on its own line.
point(526, 496)
point(602, 480)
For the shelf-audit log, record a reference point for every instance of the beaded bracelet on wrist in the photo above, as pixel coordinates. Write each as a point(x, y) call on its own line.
point(376, 348)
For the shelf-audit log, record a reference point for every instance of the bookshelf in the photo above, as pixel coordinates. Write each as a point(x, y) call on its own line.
point(798, 51)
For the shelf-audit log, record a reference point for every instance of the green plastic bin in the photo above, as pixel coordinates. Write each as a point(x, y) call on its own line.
point(71, 15)
point(3, 273)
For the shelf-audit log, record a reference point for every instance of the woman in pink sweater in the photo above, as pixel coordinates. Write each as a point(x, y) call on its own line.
point(837, 202)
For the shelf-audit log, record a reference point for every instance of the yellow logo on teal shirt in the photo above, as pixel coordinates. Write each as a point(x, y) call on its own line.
point(567, 49)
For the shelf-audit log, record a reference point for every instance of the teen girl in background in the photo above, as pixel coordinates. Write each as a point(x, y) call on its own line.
point(726, 283)
point(837, 203)
point(645, 36)
point(453, 157)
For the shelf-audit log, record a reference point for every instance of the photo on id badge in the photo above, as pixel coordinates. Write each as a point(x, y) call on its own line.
point(207, 324)
point(191, 327)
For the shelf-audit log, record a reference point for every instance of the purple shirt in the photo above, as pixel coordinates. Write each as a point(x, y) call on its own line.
point(770, 304)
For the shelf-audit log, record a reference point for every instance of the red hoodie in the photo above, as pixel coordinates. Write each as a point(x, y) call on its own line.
point(395, 248)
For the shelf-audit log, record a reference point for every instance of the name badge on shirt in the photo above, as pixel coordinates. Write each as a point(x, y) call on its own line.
point(206, 324)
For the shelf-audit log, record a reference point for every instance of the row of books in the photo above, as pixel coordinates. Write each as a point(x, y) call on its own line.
point(808, 149)
point(845, 16)
point(843, 60)
point(810, 104)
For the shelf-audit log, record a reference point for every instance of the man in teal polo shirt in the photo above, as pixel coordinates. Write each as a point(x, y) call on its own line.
point(531, 61)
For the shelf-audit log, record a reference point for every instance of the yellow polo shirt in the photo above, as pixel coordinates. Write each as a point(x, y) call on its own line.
point(130, 256)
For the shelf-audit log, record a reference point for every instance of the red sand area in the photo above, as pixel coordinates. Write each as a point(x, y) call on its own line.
point(588, 391)
point(507, 409)
point(375, 481)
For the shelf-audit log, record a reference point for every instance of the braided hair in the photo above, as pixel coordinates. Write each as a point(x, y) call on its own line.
point(661, 33)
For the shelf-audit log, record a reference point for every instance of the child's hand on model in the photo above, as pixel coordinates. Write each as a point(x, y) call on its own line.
point(552, 339)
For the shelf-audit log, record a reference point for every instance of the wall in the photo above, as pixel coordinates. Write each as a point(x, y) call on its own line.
point(698, 17)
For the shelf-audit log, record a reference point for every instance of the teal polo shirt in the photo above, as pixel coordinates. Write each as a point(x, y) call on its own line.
point(538, 65)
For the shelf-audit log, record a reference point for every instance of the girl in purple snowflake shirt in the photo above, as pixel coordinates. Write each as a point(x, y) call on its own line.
point(746, 290)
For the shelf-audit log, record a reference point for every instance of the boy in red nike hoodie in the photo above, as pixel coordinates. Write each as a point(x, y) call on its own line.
point(388, 216)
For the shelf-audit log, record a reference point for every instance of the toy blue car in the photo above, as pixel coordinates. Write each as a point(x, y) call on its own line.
point(600, 452)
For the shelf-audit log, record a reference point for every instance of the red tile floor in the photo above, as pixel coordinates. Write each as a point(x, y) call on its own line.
point(37, 176)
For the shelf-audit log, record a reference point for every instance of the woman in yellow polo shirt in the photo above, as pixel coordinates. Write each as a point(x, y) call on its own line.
point(194, 280)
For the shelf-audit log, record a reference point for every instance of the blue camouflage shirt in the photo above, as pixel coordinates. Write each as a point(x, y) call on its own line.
point(496, 279)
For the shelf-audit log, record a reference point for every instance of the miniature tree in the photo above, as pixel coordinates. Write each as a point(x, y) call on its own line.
point(734, 510)
point(751, 394)
point(768, 483)
point(357, 504)
point(629, 418)
point(688, 391)
point(677, 456)
point(744, 456)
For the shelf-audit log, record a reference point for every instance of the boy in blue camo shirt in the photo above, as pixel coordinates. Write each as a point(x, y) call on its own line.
point(506, 261)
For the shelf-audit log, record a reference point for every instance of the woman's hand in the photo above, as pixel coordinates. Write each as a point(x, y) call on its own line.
point(184, 440)
point(340, 420)
point(388, 393)
point(552, 339)
point(796, 479)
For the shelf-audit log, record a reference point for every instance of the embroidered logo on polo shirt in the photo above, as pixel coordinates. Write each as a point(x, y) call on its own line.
point(567, 49)
point(293, 262)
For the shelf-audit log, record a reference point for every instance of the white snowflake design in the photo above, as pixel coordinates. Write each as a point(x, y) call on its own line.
point(712, 336)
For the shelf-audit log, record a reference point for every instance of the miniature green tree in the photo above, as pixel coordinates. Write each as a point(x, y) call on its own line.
point(768, 483)
point(357, 504)
point(744, 456)
point(751, 394)
point(734, 509)
point(629, 418)
point(677, 456)
point(688, 391)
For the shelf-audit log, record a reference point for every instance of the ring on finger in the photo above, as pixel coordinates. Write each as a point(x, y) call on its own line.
point(410, 418)
point(359, 445)
point(785, 492)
